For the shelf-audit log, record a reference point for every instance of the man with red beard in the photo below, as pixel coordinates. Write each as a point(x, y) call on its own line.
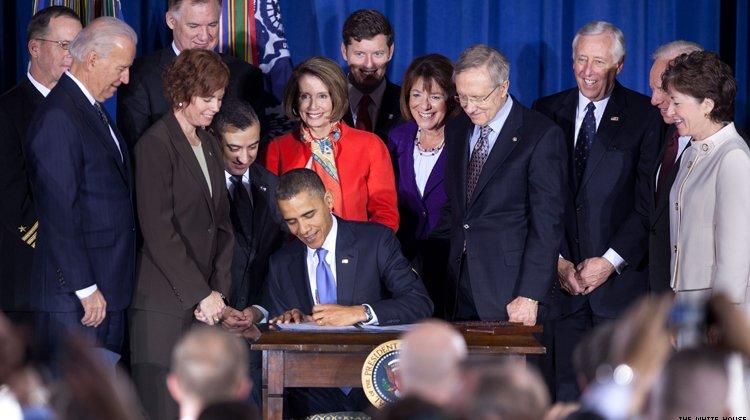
point(367, 47)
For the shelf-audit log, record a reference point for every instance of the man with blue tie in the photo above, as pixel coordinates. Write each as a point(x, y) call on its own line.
point(613, 136)
point(81, 174)
point(337, 273)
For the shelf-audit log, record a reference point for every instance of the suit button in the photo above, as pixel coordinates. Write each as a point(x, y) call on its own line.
point(132, 229)
point(675, 249)
point(579, 209)
point(209, 230)
point(424, 213)
point(466, 226)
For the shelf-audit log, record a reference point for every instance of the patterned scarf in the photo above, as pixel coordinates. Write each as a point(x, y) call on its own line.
point(323, 161)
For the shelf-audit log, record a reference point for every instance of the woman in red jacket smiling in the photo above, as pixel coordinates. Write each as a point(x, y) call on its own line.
point(353, 164)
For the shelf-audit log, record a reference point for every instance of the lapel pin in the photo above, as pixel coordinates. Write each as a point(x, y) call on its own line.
point(390, 116)
point(515, 139)
point(262, 187)
point(345, 261)
point(615, 119)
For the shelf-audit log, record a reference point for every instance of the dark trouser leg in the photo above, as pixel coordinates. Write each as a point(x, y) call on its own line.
point(153, 335)
point(566, 333)
point(464, 308)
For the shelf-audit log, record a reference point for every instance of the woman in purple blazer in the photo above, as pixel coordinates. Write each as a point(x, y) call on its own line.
point(416, 146)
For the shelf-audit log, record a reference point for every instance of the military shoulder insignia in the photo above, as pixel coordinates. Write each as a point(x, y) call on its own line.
point(380, 374)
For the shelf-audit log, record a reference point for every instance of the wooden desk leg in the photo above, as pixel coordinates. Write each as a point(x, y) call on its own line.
point(273, 378)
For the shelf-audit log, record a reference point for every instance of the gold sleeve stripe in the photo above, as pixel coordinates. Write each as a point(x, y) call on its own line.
point(31, 231)
point(32, 240)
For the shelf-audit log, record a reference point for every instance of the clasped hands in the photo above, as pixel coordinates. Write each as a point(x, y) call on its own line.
point(324, 315)
point(584, 278)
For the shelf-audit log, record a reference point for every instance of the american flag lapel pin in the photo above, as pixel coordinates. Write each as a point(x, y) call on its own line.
point(614, 119)
point(345, 261)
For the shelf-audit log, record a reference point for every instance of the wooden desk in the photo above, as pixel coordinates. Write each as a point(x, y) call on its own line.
point(298, 359)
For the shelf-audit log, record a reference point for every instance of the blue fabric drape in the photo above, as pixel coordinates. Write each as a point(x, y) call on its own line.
point(535, 35)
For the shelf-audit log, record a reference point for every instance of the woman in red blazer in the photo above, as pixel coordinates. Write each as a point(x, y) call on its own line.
point(353, 164)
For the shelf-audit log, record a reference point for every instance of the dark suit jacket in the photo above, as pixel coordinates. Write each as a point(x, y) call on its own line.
point(376, 273)
point(610, 207)
point(141, 102)
point(659, 250)
point(187, 233)
point(250, 261)
point(389, 113)
point(419, 213)
point(18, 222)
point(512, 227)
point(83, 192)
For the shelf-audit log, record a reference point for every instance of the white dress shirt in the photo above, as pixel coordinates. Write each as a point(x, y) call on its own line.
point(312, 264)
point(44, 90)
point(423, 166)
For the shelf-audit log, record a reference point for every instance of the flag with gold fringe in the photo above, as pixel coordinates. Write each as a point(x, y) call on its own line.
point(88, 10)
point(252, 30)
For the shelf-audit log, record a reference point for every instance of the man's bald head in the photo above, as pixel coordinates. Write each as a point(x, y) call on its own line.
point(430, 357)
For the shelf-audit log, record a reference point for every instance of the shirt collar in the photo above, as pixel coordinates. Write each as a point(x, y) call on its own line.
point(376, 95)
point(83, 88)
point(330, 243)
point(497, 122)
point(584, 101)
point(175, 49)
point(44, 90)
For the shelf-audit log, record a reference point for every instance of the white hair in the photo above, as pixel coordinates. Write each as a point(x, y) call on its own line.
point(101, 36)
point(675, 48)
point(600, 27)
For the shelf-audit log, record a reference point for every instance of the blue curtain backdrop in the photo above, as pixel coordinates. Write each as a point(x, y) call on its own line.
point(535, 35)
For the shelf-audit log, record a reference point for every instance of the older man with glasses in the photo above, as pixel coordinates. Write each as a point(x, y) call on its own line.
point(49, 34)
point(505, 181)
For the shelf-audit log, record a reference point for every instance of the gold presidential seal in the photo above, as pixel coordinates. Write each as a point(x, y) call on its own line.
point(380, 374)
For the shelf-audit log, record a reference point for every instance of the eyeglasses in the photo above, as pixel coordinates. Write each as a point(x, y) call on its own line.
point(62, 44)
point(465, 100)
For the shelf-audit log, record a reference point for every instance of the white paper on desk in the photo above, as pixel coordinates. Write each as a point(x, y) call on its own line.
point(313, 327)
point(388, 328)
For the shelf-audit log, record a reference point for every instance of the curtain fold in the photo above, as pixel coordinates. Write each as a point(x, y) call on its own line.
point(535, 35)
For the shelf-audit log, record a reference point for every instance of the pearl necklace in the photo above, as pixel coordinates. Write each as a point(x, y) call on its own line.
point(427, 152)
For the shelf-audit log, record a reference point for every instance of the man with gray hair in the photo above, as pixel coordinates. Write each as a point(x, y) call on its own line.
point(505, 181)
point(208, 365)
point(613, 134)
point(48, 37)
point(430, 360)
point(81, 174)
point(668, 162)
point(194, 24)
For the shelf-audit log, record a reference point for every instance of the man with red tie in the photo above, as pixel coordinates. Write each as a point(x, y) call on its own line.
point(367, 47)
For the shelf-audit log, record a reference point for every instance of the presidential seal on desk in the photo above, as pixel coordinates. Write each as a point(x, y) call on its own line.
point(380, 374)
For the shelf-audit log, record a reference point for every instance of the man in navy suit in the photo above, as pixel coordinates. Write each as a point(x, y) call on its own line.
point(49, 34)
point(337, 273)
point(612, 136)
point(504, 178)
point(80, 170)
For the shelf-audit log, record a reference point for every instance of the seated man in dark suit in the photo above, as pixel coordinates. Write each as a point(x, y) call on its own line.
point(194, 24)
point(337, 273)
point(49, 34)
